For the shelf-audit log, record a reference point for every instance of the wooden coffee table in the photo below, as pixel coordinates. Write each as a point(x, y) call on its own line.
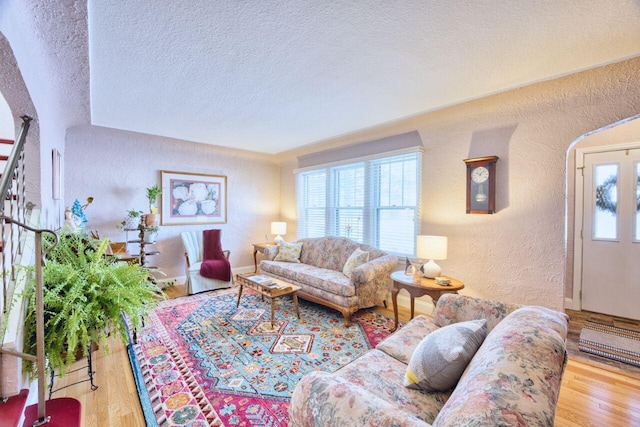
point(280, 289)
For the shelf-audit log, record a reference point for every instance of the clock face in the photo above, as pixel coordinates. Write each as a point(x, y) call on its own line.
point(480, 174)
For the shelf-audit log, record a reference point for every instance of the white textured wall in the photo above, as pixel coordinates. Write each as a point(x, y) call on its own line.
point(49, 42)
point(7, 130)
point(115, 167)
point(518, 254)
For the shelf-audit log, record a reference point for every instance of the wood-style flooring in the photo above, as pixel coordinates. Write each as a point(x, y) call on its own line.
point(592, 393)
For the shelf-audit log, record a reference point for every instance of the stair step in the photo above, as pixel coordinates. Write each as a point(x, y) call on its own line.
point(6, 141)
point(64, 412)
point(12, 409)
point(4, 158)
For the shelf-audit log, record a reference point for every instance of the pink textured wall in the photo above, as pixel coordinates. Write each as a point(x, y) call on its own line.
point(518, 254)
point(115, 167)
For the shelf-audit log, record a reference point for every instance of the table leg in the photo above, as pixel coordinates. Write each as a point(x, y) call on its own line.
point(394, 299)
point(255, 260)
point(295, 302)
point(239, 295)
point(273, 309)
point(413, 303)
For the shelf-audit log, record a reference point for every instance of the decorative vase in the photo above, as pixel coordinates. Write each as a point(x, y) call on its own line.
point(132, 222)
point(150, 236)
point(152, 219)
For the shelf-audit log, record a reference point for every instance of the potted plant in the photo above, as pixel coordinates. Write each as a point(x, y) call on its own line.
point(85, 296)
point(151, 233)
point(152, 218)
point(132, 221)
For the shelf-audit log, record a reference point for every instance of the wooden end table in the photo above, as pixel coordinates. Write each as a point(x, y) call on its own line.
point(259, 247)
point(283, 289)
point(417, 288)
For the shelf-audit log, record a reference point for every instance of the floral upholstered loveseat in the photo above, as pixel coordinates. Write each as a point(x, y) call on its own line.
point(512, 380)
point(319, 272)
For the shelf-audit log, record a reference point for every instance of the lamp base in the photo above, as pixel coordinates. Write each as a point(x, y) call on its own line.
point(430, 270)
point(278, 239)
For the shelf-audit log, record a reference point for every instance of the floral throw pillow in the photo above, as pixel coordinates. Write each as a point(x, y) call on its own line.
point(289, 252)
point(442, 356)
point(358, 257)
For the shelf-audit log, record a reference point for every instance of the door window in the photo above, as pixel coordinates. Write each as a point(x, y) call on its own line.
point(605, 216)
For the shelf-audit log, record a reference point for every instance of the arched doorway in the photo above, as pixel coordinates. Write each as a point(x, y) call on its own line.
point(608, 297)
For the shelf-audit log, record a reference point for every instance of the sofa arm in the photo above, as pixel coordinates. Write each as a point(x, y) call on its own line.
point(454, 308)
point(381, 266)
point(321, 399)
point(514, 378)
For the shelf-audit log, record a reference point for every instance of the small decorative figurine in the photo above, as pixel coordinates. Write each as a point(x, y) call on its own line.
point(409, 269)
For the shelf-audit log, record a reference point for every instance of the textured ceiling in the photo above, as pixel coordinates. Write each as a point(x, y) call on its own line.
point(271, 75)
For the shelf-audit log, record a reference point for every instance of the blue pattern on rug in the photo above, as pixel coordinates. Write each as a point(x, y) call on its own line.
point(206, 362)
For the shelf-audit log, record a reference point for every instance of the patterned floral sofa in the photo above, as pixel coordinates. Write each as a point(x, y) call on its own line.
point(513, 379)
point(320, 274)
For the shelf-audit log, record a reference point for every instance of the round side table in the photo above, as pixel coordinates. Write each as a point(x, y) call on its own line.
point(417, 287)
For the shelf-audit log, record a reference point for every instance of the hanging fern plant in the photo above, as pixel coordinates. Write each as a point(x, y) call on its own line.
point(85, 295)
point(604, 200)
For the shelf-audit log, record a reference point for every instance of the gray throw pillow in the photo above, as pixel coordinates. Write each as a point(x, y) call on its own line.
point(442, 356)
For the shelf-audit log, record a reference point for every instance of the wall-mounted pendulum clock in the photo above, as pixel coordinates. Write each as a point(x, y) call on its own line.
point(481, 185)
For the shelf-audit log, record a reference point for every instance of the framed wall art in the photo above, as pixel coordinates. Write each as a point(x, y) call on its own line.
point(189, 198)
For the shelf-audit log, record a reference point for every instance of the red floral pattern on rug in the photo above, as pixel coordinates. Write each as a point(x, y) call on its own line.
point(206, 362)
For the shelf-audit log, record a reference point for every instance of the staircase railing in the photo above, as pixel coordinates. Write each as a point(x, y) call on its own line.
point(13, 214)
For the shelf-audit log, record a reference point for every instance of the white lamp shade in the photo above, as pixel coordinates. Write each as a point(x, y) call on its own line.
point(278, 228)
point(431, 247)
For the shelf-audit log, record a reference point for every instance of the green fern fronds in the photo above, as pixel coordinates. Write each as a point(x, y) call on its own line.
point(85, 294)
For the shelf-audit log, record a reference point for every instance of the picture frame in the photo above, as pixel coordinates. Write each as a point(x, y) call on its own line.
point(192, 198)
point(56, 175)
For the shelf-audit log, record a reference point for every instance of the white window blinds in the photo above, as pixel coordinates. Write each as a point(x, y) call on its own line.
point(374, 201)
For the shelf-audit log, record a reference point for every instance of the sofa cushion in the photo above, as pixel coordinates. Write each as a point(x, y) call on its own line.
point(323, 399)
point(443, 355)
point(453, 308)
point(401, 344)
point(357, 258)
point(332, 252)
point(289, 252)
point(382, 376)
point(514, 378)
point(329, 280)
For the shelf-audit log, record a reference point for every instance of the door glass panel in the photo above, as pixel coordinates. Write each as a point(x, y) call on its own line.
point(636, 238)
point(605, 217)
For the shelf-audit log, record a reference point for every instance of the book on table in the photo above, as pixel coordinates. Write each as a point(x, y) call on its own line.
point(441, 280)
point(280, 287)
point(261, 280)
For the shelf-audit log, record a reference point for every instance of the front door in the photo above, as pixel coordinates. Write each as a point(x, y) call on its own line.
point(611, 233)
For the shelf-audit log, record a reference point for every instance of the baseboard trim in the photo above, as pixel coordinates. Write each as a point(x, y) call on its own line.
point(571, 304)
point(423, 305)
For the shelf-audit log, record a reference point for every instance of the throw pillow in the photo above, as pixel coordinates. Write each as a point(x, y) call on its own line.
point(442, 356)
point(358, 257)
point(289, 251)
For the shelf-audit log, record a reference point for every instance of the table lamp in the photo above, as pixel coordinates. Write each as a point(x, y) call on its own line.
point(278, 228)
point(431, 248)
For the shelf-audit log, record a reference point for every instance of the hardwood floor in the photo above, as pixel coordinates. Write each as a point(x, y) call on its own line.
point(590, 395)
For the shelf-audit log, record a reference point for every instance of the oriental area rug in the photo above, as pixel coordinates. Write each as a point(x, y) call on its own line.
point(201, 361)
point(611, 342)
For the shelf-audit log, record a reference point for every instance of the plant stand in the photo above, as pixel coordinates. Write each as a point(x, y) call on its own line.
point(90, 373)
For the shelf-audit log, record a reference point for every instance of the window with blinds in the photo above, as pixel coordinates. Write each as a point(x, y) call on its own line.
point(374, 201)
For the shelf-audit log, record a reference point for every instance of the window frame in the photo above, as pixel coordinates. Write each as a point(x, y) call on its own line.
point(371, 211)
